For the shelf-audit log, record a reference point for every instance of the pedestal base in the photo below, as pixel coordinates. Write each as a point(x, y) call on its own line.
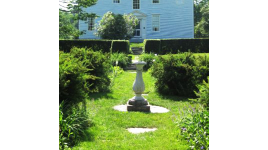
point(138, 105)
point(145, 108)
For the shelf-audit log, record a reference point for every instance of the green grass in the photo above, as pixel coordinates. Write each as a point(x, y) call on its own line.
point(109, 129)
point(136, 44)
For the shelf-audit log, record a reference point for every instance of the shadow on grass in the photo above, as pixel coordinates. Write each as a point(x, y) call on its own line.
point(174, 97)
point(101, 95)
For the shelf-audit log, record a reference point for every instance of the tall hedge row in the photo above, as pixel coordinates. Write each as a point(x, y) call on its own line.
point(174, 46)
point(120, 46)
point(103, 45)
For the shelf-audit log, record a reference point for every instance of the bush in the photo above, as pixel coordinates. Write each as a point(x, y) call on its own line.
point(178, 74)
point(120, 46)
point(149, 59)
point(195, 129)
point(152, 46)
point(122, 60)
point(175, 46)
point(103, 45)
point(72, 79)
point(98, 68)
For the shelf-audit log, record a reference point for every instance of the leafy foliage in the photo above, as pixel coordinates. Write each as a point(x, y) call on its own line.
point(195, 129)
point(120, 59)
point(201, 17)
point(203, 94)
point(116, 26)
point(72, 79)
point(72, 126)
point(149, 59)
point(98, 68)
point(178, 74)
point(67, 29)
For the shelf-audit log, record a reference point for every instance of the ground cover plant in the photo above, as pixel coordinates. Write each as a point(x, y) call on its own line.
point(120, 59)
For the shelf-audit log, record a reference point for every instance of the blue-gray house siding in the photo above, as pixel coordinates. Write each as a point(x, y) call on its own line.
point(176, 17)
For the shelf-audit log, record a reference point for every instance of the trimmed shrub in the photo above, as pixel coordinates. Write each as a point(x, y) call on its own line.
point(149, 59)
point(103, 45)
point(120, 46)
point(179, 74)
point(122, 59)
point(175, 46)
point(152, 46)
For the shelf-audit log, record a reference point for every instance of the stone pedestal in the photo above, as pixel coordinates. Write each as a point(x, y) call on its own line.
point(138, 103)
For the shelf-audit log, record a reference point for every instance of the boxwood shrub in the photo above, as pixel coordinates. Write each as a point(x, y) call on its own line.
point(179, 74)
point(120, 46)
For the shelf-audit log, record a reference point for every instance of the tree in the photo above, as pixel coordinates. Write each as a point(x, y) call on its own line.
point(201, 18)
point(68, 20)
point(67, 29)
point(117, 26)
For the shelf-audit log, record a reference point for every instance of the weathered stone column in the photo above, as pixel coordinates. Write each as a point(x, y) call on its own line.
point(138, 103)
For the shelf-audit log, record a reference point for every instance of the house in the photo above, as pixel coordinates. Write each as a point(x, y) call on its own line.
point(158, 19)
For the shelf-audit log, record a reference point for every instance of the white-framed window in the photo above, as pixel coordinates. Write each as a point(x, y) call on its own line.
point(155, 22)
point(136, 4)
point(155, 1)
point(91, 23)
point(116, 1)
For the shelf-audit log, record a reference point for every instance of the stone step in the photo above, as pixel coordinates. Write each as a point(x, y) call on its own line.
point(136, 50)
point(131, 67)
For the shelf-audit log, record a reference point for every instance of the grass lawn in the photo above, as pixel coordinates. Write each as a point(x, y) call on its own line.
point(109, 126)
point(136, 44)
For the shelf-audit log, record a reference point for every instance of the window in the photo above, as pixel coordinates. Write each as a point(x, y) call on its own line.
point(116, 1)
point(136, 4)
point(155, 1)
point(91, 22)
point(155, 22)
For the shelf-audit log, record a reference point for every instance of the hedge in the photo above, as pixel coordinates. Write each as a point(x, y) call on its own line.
point(67, 45)
point(174, 46)
point(120, 46)
point(152, 46)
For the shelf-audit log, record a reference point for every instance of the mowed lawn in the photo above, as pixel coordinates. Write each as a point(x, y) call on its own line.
point(108, 131)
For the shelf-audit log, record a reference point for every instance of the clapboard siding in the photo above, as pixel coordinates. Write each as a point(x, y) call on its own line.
point(176, 17)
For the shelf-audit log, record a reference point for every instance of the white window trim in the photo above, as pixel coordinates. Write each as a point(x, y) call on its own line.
point(158, 21)
point(133, 5)
point(155, 3)
point(116, 3)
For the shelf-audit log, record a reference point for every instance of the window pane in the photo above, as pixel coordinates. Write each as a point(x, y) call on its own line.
point(136, 4)
point(155, 22)
point(155, 1)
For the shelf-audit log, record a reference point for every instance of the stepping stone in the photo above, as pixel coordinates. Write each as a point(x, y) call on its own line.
point(140, 130)
point(154, 109)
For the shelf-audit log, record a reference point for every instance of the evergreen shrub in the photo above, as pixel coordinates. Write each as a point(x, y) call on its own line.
point(98, 68)
point(178, 74)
